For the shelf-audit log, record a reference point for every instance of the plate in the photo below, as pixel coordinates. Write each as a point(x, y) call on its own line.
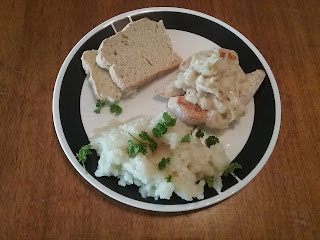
point(249, 142)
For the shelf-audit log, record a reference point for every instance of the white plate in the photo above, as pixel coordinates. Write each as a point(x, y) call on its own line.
point(250, 141)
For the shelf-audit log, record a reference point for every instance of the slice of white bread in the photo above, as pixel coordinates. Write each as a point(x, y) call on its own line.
point(138, 54)
point(104, 88)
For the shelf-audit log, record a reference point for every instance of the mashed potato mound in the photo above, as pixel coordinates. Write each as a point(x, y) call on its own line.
point(190, 162)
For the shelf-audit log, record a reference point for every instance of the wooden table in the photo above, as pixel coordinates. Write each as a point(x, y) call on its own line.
point(43, 197)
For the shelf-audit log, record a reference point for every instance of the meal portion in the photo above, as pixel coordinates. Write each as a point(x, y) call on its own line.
point(211, 89)
point(163, 155)
point(103, 86)
point(160, 162)
point(125, 61)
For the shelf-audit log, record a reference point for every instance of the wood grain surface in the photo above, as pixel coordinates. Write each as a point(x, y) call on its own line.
point(43, 197)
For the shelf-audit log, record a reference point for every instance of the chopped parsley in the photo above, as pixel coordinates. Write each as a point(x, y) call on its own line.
point(99, 105)
point(115, 109)
point(152, 143)
point(211, 140)
point(163, 163)
point(82, 154)
point(162, 127)
point(209, 180)
point(231, 168)
point(159, 130)
point(199, 133)
point(168, 120)
point(169, 178)
point(135, 148)
point(141, 147)
point(186, 138)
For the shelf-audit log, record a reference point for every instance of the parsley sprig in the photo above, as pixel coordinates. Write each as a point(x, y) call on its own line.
point(162, 127)
point(211, 140)
point(82, 154)
point(199, 133)
point(230, 170)
point(209, 180)
point(115, 109)
point(163, 163)
point(186, 138)
point(141, 147)
point(153, 145)
point(99, 104)
point(169, 178)
point(135, 148)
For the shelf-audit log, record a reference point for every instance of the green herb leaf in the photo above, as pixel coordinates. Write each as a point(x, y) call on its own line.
point(209, 180)
point(162, 127)
point(115, 109)
point(99, 105)
point(135, 148)
point(199, 133)
point(153, 145)
point(211, 140)
point(168, 120)
point(186, 138)
point(169, 178)
point(163, 164)
point(159, 130)
point(232, 166)
point(82, 154)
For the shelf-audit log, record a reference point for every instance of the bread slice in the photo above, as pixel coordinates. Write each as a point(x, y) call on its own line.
point(104, 88)
point(138, 54)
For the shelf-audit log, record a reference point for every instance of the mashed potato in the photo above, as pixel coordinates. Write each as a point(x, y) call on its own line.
point(190, 162)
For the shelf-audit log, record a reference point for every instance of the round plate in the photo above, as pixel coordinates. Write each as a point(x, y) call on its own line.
point(249, 142)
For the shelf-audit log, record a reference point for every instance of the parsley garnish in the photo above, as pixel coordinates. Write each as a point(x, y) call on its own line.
point(168, 120)
point(211, 140)
point(115, 109)
point(82, 154)
point(163, 164)
point(99, 105)
point(209, 180)
point(135, 148)
point(231, 168)
point(169, 178)
point(161, 128)
point(153, 145)
point(141, 147)
point(186, 138)
point(199, 133)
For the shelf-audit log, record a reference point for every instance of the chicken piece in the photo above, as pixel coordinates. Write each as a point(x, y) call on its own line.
point(186, 111)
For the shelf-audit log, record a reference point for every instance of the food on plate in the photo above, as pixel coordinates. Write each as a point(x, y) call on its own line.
point(215, 87)
point(169, 90)
point(138, 54)
point(115, 109)
point(187, 112)
point(103, 86)
point(251, 85)
point(160, 156)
